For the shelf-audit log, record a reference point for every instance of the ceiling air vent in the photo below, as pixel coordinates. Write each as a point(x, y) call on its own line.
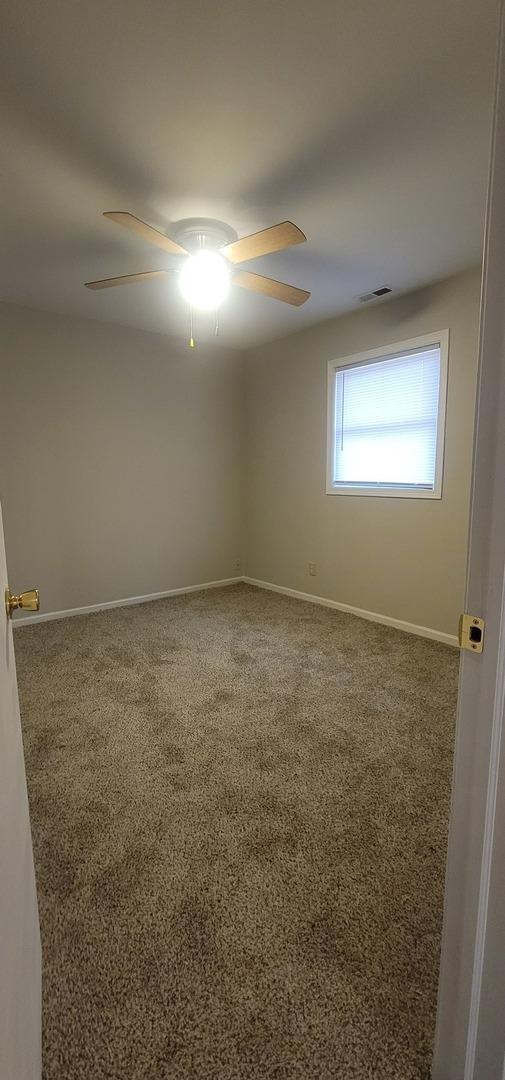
point(365, 297)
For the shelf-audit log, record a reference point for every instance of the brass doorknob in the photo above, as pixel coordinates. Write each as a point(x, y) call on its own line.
point(28, 600)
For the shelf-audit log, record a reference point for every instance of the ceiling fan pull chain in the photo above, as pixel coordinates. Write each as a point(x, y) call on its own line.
point(191, 341)
point(216, 326)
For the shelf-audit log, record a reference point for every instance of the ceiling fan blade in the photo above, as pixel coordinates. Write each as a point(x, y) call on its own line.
point(268, 287)
point(127, 279)
point(145, 231)
point(265, 242)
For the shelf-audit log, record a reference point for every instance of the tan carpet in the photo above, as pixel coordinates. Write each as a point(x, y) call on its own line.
point(239, 808)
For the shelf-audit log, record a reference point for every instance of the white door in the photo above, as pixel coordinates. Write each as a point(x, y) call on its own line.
point(470, 1041)
point(20, 979)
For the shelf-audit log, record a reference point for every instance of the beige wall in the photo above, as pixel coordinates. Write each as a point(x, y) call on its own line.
point(404, 558)
point(122, 464)
point(119, 460)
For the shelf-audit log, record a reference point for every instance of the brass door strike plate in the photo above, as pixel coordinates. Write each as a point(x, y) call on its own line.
point(471, 632)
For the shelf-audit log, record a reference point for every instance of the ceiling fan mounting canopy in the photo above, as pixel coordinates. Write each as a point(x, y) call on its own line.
point(197, 233)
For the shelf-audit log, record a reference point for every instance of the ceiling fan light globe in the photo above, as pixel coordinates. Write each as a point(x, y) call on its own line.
point(204, 280)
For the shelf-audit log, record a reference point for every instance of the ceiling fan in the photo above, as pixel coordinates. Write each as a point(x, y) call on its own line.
point(208, 270)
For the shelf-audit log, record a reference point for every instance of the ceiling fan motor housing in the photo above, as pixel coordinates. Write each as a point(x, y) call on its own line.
point(197, 234)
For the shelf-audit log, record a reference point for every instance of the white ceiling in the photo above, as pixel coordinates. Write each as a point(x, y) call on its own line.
point(365, 123)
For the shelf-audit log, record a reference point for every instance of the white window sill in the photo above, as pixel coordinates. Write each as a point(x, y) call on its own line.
point(384, 492)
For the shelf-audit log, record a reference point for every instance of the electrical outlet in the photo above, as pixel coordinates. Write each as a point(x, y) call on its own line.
point(236, 564)
point(312, 569)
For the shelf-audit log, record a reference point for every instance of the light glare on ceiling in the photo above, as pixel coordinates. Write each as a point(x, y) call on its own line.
point(205, 280)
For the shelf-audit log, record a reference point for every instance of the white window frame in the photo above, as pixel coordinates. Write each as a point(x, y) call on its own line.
point(440, 338)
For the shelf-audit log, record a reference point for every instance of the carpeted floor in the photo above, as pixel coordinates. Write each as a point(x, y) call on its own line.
point(239, 807)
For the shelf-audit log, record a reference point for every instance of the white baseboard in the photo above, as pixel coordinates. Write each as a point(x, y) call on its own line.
point(372, 616)
point(48, 616)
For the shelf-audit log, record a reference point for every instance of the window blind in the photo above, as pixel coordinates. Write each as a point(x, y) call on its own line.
point(385, 424)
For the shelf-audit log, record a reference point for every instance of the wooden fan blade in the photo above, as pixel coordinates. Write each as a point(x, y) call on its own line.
point(268, 287)
point(145, 231)
point(127, 279)
point(276, 238)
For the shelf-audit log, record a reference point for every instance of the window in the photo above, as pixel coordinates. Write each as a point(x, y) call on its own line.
point(386, 418)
